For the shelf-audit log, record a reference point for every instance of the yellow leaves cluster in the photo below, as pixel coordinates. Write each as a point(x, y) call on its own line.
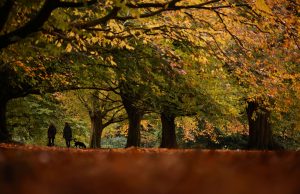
point(110, 60)
point(189, 126)
point(69, 48)
point(262, 6)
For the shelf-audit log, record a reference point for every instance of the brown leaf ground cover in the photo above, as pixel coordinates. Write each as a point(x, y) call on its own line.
point(43, 170)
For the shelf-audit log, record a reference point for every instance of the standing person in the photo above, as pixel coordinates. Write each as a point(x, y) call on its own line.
point(51, 134)
point(67, 134)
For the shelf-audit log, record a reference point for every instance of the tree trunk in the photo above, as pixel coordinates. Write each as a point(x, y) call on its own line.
point(134, 118)
point(4, 134)
point(260, 132)
point(134, 134)
point(97, 129)
point(98, 137)
point(168, 139)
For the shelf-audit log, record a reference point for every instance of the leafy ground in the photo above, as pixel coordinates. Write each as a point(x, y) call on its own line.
point(43, 170)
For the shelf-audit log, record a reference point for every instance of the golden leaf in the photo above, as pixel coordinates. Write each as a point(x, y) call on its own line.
point(69, 48)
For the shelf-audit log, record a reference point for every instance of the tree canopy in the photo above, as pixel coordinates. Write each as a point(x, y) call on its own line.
point(222, 60)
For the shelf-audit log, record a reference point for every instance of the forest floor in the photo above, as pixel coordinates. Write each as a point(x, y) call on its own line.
point(43, 170)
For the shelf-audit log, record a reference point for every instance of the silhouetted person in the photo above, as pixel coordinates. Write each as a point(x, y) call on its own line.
point(51, 134)
point(67, 134)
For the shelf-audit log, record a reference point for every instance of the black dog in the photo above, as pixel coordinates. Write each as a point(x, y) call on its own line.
point(79, 144)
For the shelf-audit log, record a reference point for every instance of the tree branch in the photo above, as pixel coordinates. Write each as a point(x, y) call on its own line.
point(170, 4)
point(84, 102)
point(112, 14)
point(64, 4)
point(162, 7)
point(239, 42)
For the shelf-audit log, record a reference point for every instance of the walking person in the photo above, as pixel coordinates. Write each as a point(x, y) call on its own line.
point(67, 134)
point(51, 134)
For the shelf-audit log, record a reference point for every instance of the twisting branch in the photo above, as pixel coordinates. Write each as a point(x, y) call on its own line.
point(256, 26)
point(44, 13)
point(171, 4)
point(227, 30)
point(159, 8)
point(64, 4)
point(112, 14)
point(114, 118)
point(84, 102)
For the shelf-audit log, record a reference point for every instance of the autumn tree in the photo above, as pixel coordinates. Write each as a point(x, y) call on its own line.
point(95, 28)
point(132, 76)
point(268, 71)
point(104, 109)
